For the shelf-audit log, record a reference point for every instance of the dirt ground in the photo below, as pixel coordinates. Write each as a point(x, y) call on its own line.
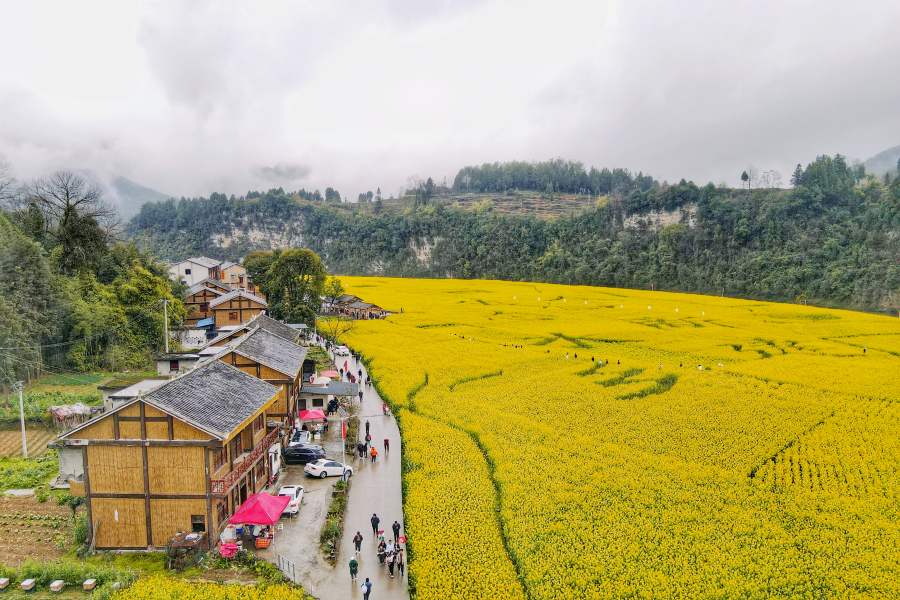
point(30, 530)
point(36, 438)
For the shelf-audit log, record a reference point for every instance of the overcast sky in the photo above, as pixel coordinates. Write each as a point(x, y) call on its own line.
point(190, 97)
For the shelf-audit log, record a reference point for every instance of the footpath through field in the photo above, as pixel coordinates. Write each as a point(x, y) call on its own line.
point(376, 488)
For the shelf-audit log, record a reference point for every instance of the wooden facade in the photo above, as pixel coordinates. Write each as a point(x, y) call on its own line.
point(199, 302)
point(234, 309)
point(289, 384)
point(149, 475)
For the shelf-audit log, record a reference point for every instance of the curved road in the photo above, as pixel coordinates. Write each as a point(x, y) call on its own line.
point(376, 488)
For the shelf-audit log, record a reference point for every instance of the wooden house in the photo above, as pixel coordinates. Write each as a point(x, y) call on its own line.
point(366, 310)
point(275, 361)
point(182, 457)
point(235, 275)
point(198, 298)
point(262, 321)
point(236, 307)
point(175, 362)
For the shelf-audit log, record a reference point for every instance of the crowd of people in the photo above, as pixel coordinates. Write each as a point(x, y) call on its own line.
point(389, 551)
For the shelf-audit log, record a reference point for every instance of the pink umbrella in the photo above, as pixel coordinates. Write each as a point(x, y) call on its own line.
point(330, 374)
point(311, 415)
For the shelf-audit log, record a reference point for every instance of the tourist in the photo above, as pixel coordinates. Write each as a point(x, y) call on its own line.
point(375, 521)
point(368, 441)
point(382, 551)
point(367, 427)
point(391, 561)
point(325, 425)
point(357, 541)
point(354, 567)
point(401, 563)
point(374, 454)
point(387, 445)
point(396, 529)
point(360, 395)
point(366, 589)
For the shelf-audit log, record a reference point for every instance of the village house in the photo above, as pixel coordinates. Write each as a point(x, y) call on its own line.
point(318, 395)
point(276, 361)
point(366, 310)
point(182, 457)
point(236, 307)
point(235, 275)
point(175, 362)
point(194, 270)
point(262, 321)
point(198, 298)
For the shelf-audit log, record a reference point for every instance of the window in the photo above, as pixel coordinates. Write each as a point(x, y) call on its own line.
point(233, 316)
point(301, 404)
point(198, 523)
point(173, 366)
point(258, 423)
point(237, 446)
point(187, 271)
point(221, 511)
point(204, 307)
point(260, 470)
point(318, 402)
point(240, 279)
point(220, 457)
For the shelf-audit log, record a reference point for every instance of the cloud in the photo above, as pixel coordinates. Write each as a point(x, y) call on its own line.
point(188, 97)
point(282, 174)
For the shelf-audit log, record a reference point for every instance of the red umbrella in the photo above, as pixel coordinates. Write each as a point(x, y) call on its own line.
point(311, 415)
point(260, 509)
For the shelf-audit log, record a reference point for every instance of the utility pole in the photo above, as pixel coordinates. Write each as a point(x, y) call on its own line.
point(166, 319)
point(19, 386)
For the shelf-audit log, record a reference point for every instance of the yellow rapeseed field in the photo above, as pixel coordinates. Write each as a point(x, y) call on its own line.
point(571, 442)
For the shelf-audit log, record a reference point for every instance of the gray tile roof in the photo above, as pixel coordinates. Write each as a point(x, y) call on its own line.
point(362, 305)
point(335, 388)
point(346, 298)
point(205, 261)
point(199, 287)
point(215, 397)
point(235, 294)
point(264, 322)
point(272, 351)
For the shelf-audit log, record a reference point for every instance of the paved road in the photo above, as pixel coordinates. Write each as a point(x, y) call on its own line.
point(376, 488)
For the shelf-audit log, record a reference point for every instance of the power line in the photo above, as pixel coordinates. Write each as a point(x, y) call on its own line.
point(143, 314)
point(43, 368)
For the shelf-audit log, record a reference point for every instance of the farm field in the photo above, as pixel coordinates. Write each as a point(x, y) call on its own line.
point(37, 439)
point(569, 438)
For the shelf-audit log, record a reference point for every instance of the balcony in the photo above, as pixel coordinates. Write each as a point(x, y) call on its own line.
point(221, 486)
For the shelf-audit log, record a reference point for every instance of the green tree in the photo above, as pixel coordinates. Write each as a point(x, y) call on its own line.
point(332, 288)
point(745, 178)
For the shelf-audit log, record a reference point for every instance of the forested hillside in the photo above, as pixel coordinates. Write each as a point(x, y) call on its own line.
point(832, 238)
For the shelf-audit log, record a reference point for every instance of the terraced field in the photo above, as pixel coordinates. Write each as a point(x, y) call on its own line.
point(602, 443)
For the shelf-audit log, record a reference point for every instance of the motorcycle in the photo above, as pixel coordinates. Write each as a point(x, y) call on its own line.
point(272, 479)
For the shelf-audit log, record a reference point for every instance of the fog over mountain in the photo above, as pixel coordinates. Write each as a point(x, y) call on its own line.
point(232, 96)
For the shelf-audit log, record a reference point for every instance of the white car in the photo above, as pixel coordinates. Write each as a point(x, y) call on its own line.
point(295, 493)
point(325, 467)
point(342, 351)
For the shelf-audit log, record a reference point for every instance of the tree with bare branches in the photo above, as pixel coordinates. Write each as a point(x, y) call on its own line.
point(76, 219)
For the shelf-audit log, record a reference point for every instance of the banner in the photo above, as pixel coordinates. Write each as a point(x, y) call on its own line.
point(343, 430)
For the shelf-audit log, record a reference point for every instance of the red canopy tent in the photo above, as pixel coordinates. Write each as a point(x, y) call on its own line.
point(260, 509)
point(311, 415)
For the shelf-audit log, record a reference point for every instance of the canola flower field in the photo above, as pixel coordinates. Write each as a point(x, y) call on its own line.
point(565, 442)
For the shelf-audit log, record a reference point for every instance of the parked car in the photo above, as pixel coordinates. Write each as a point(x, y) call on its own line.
point(300, 437)
point(300, 455)
point(325, 467)
point(295, 493)
point(310, 446)
point(342, 351)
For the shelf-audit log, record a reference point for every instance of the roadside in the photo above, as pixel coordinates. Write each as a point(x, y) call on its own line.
point(376, 488)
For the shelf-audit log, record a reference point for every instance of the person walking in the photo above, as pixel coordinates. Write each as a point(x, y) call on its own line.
point(396, 529)
point(357, 541)
point(374, 454)
point(391, 561)
point(366, 589)
point(401, 564)
point(360, 395)
point(354, 568)
point(360, 374)
point(361, 449)
point(387, 444)
point(375, 521)
point(368, 441)
point(342, 372)
point(367, 427)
